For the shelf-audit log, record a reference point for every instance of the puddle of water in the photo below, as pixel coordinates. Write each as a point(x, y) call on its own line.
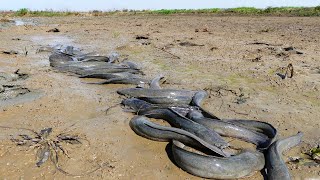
point(22, 22)
point(19, 22)
point(52, 40)
point(49, 40)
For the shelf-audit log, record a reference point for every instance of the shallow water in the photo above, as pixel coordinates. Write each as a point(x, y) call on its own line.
point(19, 22)
point(52, 40)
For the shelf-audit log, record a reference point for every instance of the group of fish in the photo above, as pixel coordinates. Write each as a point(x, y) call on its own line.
point(196, 135)
point(90, 65)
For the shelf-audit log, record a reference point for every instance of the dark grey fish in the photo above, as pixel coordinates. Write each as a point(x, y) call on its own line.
point(90, 64)
point(109, 75)
point(125, 80)
point(258, 126)
point(155, 82)
point(276, 167)
point(198, 98)
point(46, 49)
point(178, 121)
point(238, 166)
point(197, 101)
point(131, 65)
point(143, 127)
point(58, 59)
point(69, 50)
point(93, 58)
point(93, 67)
point(225, 128)
point(90, 71)
point(44, 133)
point(43, 154)
point(174, 100)
point(159, 96)
point(140, 106)
point(113, 57)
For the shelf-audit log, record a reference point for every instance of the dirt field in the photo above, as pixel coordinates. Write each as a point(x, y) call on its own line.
point(236, 60)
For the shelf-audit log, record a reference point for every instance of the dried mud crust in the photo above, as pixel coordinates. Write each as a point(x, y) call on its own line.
point(236, 59)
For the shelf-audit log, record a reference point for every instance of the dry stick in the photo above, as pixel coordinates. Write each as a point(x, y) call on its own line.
point(113, 106)
point(162, 49)
point(239, 112)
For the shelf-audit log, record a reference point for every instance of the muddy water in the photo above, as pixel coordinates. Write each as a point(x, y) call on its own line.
point(225, 63)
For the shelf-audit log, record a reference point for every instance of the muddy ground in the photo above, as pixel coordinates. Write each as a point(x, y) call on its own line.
point(237, 60)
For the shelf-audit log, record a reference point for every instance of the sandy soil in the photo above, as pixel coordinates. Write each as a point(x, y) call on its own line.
point(237, 63)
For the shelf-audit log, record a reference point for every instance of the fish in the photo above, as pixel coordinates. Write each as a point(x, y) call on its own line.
point(225, 128)
point(258, 126)
point(139, 106)
point(178, 121)
point(197, 101)
point(147, 129)
point(155, 82)
point(240, 165)
point(43, 154)
point(58, 59)
point(275, 165)
point(159, 96)
point(109, 75)
point(125, 80)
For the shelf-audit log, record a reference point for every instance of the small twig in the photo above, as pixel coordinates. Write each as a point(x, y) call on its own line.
point(264, 43)
point(239, 112)
point(162, 49)
point(113, 106)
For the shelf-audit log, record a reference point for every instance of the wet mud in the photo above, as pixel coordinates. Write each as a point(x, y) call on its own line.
point(235, 59)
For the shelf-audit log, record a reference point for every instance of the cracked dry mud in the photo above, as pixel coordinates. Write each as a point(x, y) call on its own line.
point(237, 64)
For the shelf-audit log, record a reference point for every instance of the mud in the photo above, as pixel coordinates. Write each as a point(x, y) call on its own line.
point(237, 63)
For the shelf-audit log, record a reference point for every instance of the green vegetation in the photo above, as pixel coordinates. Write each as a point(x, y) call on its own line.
point(46, 13)
point(185, 11)
point(245, 11)
point(22, 12)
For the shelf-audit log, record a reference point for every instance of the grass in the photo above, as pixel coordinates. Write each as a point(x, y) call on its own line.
point(45, 13)
point(246, 11)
